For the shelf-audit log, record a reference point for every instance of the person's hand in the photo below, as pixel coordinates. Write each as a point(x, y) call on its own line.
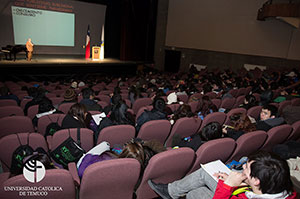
point(224, 130)
point(235, 179)
point(221, 175)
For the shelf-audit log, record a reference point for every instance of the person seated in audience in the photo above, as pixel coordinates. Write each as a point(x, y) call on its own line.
point(210, 131)
point(157, 113)
point(70, 96)
point(88, 100)
point(268, 118)
point(135, 92)
point(45, 108)
point(119, 115)
point(37, 94)
point(135, 148)
point(240, 124)
point(249, 102)
point(5, 94)
point(184, 110)
point(205, 107)
point(115, 100)
point(76, 117)
point(265, 175)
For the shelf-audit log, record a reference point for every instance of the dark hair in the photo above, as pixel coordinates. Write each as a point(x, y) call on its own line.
point(273, 109)
point(4, 91)
point(205, 105)
point(183, 111)
point(79, 111)
point(133, 149)
point(211, 131)
point(45, 105)
point(87, 92)
point(159, 104)
point(119, 114)
point(241, 122)
point(116, 98)
point(266, 97)
point(251, 99)
point(272, 171)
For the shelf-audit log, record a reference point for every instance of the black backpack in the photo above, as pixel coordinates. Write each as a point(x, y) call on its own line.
point(19, 154)
point(52, 128)
point(68, 151)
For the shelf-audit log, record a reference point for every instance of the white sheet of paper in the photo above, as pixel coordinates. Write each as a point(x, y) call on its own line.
point(97, 118)
point(214, 167)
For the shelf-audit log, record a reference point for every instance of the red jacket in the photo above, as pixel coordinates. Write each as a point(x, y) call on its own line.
point(224, 191)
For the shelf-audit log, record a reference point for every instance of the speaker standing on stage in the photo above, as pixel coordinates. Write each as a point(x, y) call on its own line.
point(29, 46)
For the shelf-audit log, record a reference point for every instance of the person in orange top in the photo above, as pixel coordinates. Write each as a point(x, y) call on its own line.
point(29, 47)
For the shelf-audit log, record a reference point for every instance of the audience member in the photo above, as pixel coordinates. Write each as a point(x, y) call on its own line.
point(265, 175)
point(88, 100)
point(240, 124)
point(268, 118)
point(211, 131)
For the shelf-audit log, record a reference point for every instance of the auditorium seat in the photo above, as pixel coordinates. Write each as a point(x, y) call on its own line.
point(113, 179)
point(10, 143)
point(8, 102)
point(218, 149)
point(165, 167)
point(7, 111)
point(44, 121)
point(15, 124)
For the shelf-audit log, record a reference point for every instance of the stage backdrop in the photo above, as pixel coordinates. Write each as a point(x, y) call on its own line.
point(55, 26)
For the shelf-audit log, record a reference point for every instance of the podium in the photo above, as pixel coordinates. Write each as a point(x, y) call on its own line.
point(96, 53)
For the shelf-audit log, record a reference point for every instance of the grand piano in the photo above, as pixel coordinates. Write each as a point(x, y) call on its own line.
point(10, 50)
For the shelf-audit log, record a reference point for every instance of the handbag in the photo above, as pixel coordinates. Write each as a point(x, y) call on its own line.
point(68, 151)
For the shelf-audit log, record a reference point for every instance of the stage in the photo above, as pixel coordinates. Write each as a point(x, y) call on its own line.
point(63, 65)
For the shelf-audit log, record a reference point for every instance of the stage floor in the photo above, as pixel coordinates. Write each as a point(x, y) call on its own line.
point(64, 65)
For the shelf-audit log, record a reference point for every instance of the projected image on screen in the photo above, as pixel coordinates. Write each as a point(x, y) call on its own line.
point(48, 28)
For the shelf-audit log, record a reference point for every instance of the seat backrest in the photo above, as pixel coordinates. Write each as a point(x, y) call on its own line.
point(8, 102)
point(65, 107)
point(211, 95)
point(241, 91)
point(227, 103)
point(103, 104)
point(10, 143)
point(56, 100)
point(140, 102)
point(282, 105)
point(277, 135)
point(233, 92)
point(6, 111)
point(58, 92)
point(15, 124)
point(254, 112)
point(104, 98)
point(118, 134)
point(239, 101)
point(86, 138)
point(217, 102)
point(32, 111)
point(257, 96)
point(24, 102)
point(183, 98)
point(155, 130)
point(185, 127)
point(164, 167)
point(232, 112)
point(218, 149)
point(60, 179)
point(173, 107)
point(111, 172)
point(295, 135)
point(44, 121)
point(213, 117)
point(193, 106)
point(295, 102)
point(248, 143)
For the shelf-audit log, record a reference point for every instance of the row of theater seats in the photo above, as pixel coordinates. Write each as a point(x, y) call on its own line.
point(117, 178)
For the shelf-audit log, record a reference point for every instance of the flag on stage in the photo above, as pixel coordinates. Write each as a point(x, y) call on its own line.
point(102, 44)
point(87, 44)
